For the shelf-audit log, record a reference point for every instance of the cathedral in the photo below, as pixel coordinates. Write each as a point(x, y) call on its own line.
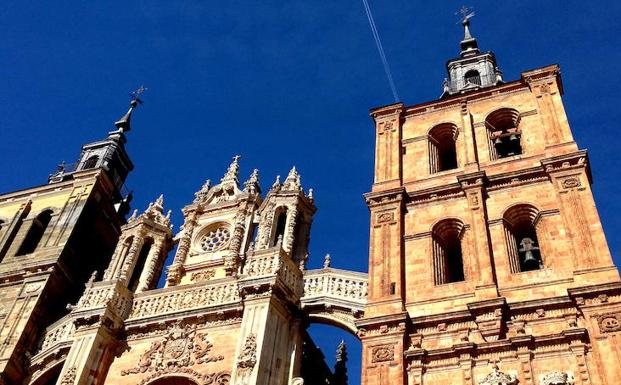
point(488, 264)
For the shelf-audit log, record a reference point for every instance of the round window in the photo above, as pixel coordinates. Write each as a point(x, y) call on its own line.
point(215, 239)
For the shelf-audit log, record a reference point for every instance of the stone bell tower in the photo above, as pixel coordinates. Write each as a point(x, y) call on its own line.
point(52, 237)
point(488, 261)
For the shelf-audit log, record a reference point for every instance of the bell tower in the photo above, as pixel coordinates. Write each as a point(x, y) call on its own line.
point(488, 262)
point(52, 237)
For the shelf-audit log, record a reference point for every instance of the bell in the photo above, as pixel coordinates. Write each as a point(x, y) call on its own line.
point(529, 262)
point(497, 142)
point(513, 138)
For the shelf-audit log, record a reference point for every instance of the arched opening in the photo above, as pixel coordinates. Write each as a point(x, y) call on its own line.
point(91, 162)
point(173, 380)
point(520, 224)
point(139, 265)
point(330, 356)
point(49, 376)
point(472, 77)
point(442, 149)
point(448, 260)
point(35, 233)
point(503, 133)
point(281, 223)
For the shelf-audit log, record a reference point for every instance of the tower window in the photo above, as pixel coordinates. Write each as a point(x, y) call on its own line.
point(35, 233)
point(139, 265)
point(520, 224)
point(91, 162)
point(448, 261)
point(472, 77)
point(503, 133)
point(442, 150)
point(281, 223)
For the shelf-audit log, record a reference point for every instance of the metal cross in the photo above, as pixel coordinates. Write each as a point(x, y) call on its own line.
point(136, 93)
point(466, 13)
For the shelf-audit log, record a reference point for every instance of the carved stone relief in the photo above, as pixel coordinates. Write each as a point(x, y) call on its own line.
point(248, 357)
point(383, 353)
point(557, 378)
point(496, 377)
point(179, 348)
point(609, 322)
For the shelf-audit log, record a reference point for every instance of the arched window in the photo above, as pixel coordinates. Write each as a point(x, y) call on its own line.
point(139, 265)
point(35, 233)
point(520, 224)
point(442, 151)
point(448, 261)
point(503, 133)
point(91, 162)
point(281, 223)
point(472, 77)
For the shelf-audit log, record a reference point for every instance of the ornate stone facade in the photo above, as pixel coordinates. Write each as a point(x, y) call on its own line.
point(488, 264)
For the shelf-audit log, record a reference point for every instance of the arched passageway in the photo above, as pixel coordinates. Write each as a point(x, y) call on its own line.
point(328, 339)
point(173, 380)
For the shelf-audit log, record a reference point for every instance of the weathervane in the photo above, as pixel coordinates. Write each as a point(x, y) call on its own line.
point(466, 13)
point(135, 95)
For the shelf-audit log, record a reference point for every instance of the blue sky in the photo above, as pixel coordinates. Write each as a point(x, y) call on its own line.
point(282, 84)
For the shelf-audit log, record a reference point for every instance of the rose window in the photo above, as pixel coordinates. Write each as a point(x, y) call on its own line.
point(215, 239)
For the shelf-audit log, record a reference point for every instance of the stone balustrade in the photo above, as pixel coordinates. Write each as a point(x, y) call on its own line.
point(349, 286)
point(59, 333)
point(162, 301)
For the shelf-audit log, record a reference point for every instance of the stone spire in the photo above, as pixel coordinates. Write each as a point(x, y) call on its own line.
point(252, 186)
point(232, 173)
point(340, 367)
point(293, 181)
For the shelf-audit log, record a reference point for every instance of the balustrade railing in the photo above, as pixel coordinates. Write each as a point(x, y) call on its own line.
point(340, 284)
point(161, 302)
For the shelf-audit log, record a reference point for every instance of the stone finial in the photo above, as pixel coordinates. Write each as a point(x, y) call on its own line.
point(252, 185)
point(341, 352)
point(310, 194)
point(160, 201)
point(201, 194)
point(155, 212)
point(293, 181)
point(133, 216)
point(232, 173)
point(276, 185)
point(326, 261)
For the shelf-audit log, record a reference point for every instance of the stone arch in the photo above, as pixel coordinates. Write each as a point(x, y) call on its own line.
point(48, 375)
point(343, 321)
point(442, 140)
point(522, 235)
point(503, 132)
point(174, 380)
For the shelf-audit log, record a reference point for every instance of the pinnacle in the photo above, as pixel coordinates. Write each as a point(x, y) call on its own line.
point(232, 173)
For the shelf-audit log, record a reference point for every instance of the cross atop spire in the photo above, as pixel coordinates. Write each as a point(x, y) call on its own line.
point(232, 173)
point(469, 45)
point(123, 124)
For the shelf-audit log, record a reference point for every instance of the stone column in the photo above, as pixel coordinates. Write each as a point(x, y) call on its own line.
point(130, 259)
point(85, 364)
point(469, 141)
point(152, 262)
point(176, 267)
point(474, 189)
